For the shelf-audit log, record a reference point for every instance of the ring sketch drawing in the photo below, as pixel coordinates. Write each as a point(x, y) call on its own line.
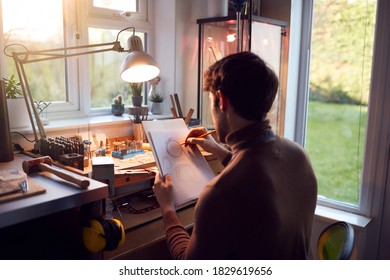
point(188, 168)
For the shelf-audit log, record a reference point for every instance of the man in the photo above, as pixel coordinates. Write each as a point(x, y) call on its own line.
point(262, 204)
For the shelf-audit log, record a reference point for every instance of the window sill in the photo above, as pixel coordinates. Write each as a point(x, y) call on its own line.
point(111, 120)
point(332, 215)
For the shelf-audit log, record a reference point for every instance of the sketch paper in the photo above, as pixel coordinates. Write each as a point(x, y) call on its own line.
point(171, 124)
point(189, 170)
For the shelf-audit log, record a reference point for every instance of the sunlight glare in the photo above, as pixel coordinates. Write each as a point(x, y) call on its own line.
point(38, 20)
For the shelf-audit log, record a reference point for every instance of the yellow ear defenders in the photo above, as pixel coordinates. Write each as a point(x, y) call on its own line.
point(103, 235)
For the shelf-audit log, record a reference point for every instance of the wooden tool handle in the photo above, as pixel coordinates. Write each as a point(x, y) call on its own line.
point(175, 116)
point(189, 115)
point(173, 105)
point(80, 182)
point(178, 106)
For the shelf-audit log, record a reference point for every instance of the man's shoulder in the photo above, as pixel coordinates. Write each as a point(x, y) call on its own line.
point(289, 144)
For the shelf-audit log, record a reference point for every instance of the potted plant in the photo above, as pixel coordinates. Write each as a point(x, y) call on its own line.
point(156, 105)
point(136, 90)
point(12, 88)
point(117, 107)
point(17, 111)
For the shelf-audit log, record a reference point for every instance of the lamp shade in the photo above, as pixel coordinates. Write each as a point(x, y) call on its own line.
point(138, 67)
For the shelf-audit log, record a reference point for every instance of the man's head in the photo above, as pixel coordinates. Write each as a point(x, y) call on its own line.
point(247, 81)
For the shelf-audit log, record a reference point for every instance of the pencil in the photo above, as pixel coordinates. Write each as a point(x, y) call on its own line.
point(203, 135)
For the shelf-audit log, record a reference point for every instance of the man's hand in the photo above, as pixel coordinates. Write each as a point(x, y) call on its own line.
point(163, 190)
point(209, 144)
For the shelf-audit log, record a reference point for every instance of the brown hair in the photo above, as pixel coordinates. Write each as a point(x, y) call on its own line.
point(248, 82)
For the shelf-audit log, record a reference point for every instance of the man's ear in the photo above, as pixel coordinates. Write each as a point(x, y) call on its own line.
point(223, 101)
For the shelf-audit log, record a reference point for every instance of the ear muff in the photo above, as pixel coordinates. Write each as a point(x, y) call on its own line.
point(103, 235)
point(122, 236)
point(94, 237)
point(113, 240)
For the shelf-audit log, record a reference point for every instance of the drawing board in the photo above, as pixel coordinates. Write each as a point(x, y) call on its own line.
point(189, 170)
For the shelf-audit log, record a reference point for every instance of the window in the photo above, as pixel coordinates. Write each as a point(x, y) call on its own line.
point(77, 85)
point(130, 6)
point(104, 76)
point(134, 9)
point(338, 89)
point(37, 25)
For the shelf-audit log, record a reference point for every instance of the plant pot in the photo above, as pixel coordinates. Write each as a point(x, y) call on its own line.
point(117, 109)
point(137, 100)
point(156, 108)
point(17, 112)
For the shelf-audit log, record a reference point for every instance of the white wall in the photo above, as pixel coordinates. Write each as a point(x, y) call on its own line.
point(165, 46)
point(176, 29)
point(187, 53)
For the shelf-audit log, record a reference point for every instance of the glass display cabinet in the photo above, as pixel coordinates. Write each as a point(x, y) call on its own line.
point(263, 36)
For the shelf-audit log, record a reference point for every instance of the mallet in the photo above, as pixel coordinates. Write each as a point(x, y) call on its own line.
point(44, 164)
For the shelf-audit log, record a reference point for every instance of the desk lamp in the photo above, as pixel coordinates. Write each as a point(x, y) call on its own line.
point(137, 67)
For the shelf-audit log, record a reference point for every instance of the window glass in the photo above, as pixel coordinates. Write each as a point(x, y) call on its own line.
point(105, 81)
point(121, 10)
point(37, 25)
point(340, 73)
point(128, 5)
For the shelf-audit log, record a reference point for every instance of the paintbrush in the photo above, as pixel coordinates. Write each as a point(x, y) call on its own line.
point(201, 136)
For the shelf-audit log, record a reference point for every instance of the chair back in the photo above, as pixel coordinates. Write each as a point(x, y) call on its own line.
point(336, 242)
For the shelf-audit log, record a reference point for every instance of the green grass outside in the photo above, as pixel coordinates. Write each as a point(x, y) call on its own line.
point(332, 141)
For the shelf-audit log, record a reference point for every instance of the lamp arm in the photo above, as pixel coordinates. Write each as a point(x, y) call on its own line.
point(127, 28)
point(24, 57)
point(28, 100)
point(21, 58)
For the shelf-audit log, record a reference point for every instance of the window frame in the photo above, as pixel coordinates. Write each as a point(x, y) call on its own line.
point(71, 79)
point(141, 14)
point(96, 18)
point(71, 104)
point(374, 161)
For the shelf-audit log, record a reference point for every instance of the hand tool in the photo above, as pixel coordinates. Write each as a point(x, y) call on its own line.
point(45, 164)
